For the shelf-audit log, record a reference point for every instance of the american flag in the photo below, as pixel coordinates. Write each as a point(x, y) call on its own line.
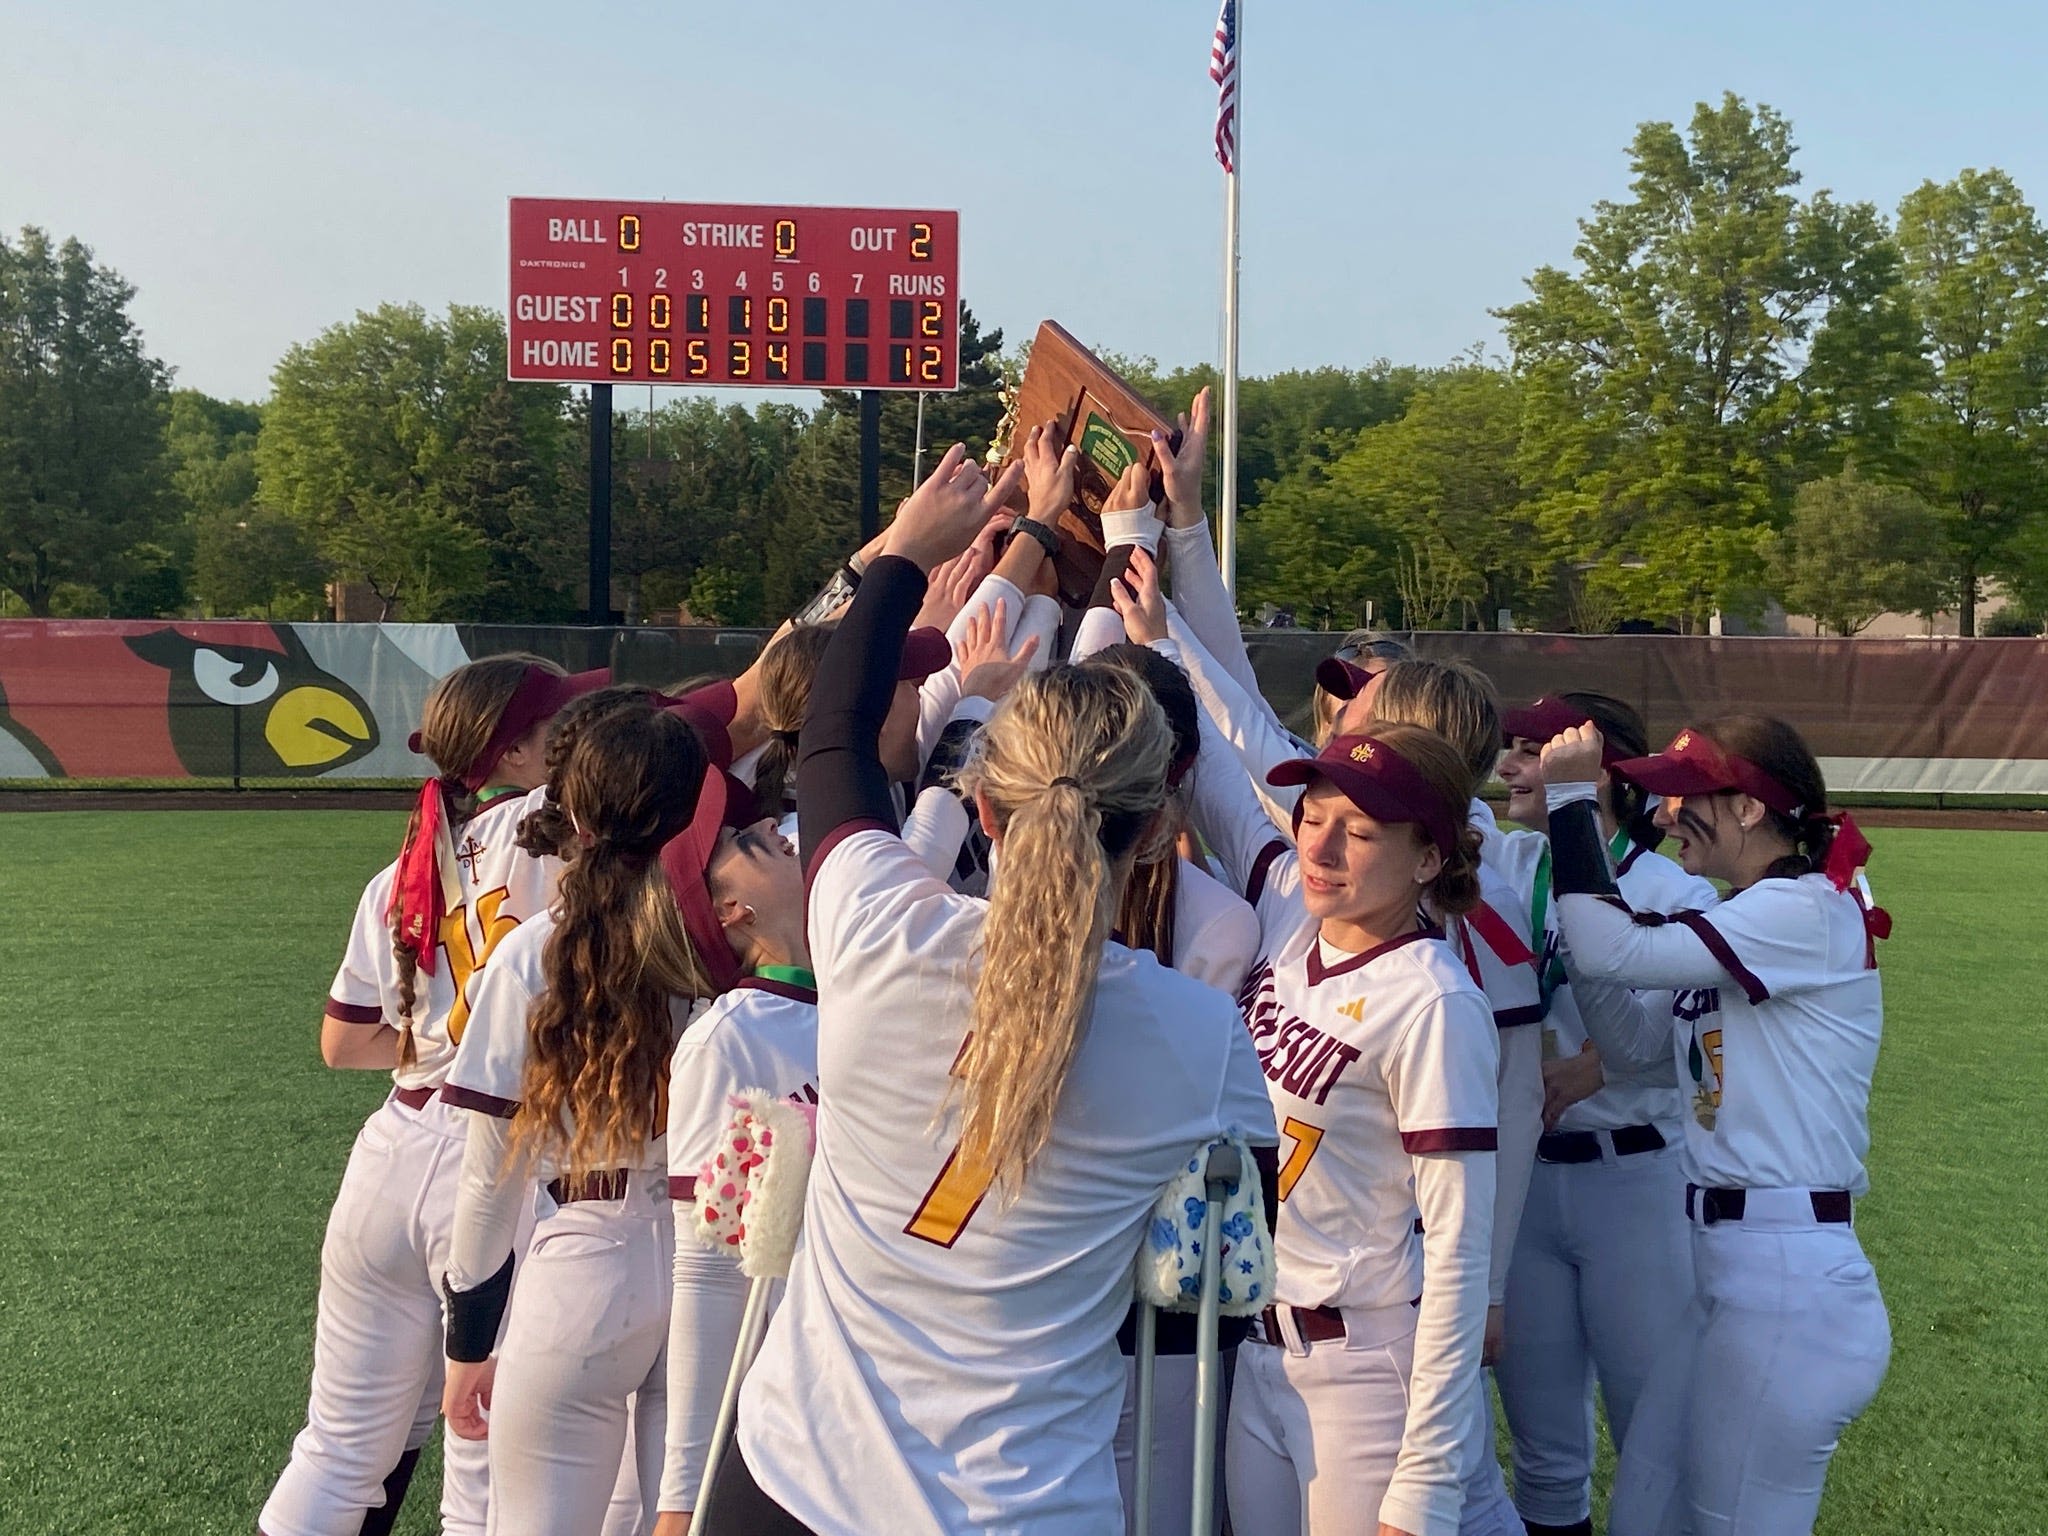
point(1223, 70)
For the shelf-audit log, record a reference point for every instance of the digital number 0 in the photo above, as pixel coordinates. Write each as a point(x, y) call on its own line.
point(629, 231)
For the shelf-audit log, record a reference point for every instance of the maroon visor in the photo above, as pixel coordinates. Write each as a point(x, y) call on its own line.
point(1551, 716)
point(541, 695)
point(686, 860)
point(1696, 764)
point(925, 651)
point(1342, 678)
point(1380, 782)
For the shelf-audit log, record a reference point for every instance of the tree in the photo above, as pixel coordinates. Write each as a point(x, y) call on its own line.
point(970, 414)
point(84, 484)
point(380, 441)
point(1854, 549)
point(245, 558)
point(812, 514)
point(508, 479)
point(1704, 357)
point(1976, 258)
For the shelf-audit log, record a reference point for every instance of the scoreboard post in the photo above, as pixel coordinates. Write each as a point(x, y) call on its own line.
point(731, 296)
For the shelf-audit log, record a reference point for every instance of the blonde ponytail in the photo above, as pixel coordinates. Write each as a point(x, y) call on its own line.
point(1073, 766)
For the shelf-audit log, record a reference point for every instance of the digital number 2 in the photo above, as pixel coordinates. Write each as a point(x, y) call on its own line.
point(1305, 1138)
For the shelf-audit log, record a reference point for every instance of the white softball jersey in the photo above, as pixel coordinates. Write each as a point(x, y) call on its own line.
point(496, 886)
point(1778, 1011)
point(761, 1035)
point(944, 1359)
point(1649, 882)
point(490, 1061)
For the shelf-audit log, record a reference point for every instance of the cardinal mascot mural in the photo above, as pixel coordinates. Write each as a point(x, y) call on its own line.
point(145, 699)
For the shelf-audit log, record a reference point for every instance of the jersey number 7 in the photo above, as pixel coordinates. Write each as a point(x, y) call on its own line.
point(1305, 1138)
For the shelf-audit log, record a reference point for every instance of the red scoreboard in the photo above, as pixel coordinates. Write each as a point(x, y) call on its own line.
point(608, 292)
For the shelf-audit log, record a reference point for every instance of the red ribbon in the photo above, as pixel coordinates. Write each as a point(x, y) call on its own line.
point(1848, 852)
point(416, 889)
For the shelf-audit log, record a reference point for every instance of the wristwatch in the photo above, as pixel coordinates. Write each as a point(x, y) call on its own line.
point(1047, 539)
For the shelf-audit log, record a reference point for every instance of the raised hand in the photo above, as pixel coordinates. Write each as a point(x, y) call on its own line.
point(1133, 490)
point(1182, 471)
point(1139, 602)
point(1573, 756)
point(941, 517)
point(988, 667)
point(1049, 464)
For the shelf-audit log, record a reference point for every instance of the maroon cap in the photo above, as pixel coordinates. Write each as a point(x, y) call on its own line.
point(1342, 678)
point(541, 695)
point(1551, 716)
point(1696, 764)
point(1380, 782)
point(925, 651)
point(686, 858)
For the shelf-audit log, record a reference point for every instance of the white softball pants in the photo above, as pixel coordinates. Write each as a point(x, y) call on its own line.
point(1784, 1344)
point(377, 1339)
point(585, 1346)
point(1602, 1270)
point(1314, 1435)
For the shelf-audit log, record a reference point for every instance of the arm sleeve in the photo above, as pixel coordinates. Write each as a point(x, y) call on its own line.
point(1230, 819)
point(1099, 629)
point(703, 1332)
point(1631, 1030)
point(1521, 1126)
point(1199, 595)
point(1454, 1195)
point(841, 783)
point(1243, 719)
point(936, 829)
point(487, 1200)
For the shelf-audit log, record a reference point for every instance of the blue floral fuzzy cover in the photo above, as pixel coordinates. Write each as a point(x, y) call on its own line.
point(1170, 1263)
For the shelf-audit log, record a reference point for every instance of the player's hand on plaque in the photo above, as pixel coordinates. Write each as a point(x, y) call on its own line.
point(1049, 465)
point(1132, 491)
point(1573, 756)
point(1181, 470)
point(941, 517)
point(989, 669)
point(1139, 602)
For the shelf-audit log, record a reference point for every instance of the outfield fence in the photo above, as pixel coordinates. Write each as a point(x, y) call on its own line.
point(236, 702)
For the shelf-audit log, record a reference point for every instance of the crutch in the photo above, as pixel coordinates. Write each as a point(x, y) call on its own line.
point(751, 1200)
point(1224, 1170)
point(1213, 1172)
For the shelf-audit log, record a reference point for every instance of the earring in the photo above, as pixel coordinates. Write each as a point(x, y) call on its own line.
point(751, 915)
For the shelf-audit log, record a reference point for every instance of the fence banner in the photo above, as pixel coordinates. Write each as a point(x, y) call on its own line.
point(144, 699)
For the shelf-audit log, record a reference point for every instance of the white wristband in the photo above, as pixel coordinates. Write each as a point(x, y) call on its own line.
point(1557, 796)
point(1137, 526)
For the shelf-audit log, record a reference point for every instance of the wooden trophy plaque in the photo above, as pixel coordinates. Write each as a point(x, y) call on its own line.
point(1110, 423)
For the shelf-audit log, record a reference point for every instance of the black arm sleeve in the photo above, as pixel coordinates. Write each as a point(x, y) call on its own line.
point(1578, 861)
point(473, 1316)
point(1114, 565)
point(839, 773)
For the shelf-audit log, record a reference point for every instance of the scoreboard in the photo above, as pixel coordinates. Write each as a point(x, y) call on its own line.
point(731, 295)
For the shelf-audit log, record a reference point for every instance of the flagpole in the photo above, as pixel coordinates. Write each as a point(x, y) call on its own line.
point(1226, 509)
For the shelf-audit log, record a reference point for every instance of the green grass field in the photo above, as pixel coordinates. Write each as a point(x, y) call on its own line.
point(169, 1145)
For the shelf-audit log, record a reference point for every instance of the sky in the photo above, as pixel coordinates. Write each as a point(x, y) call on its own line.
point(262, 171)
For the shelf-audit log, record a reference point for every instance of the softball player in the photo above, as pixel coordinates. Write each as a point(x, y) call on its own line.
point(1602, 1260)
point(1381, 1058)
point(761, 1033)
point(564, 1067)
point(942, 1361)
point(1774, 1030)
point(423, 926)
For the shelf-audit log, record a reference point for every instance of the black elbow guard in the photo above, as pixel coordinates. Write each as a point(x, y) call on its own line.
point(473, 1316)
point(1578, 860)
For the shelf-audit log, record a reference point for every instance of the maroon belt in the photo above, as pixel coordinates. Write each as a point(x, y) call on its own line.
point(1317, 1325)
point(1831, 1207)
point(610, 1184)
point(414, 1098)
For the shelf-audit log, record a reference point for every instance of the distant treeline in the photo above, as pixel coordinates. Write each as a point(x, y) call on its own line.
point(1737, 395)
